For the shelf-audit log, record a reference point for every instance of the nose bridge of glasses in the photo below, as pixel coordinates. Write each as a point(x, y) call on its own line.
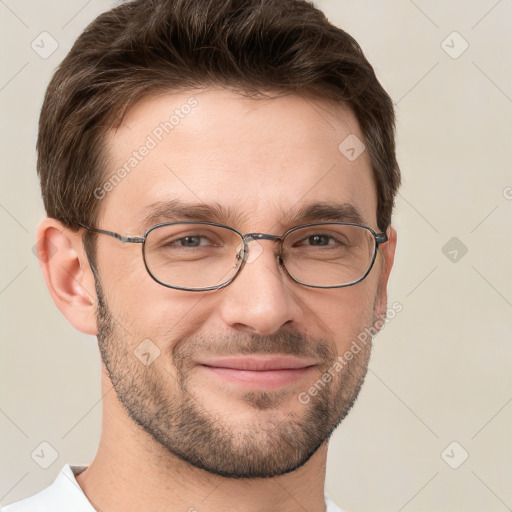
point(261, 236)
point(255, 252)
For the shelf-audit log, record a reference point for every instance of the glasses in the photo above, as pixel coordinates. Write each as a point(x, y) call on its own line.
point(202, 256)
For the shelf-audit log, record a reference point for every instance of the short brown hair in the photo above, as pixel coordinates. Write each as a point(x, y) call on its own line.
point(145, 47)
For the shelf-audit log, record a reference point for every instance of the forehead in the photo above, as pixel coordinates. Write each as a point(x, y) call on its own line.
point(253, 161)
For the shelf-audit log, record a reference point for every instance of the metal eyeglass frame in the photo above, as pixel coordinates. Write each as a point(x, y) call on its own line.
point(380, 238)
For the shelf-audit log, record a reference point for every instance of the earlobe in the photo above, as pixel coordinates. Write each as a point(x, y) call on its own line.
point(67, 274)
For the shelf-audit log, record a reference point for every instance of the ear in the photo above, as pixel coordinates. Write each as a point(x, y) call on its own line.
point(67, 274)
point(387, 257)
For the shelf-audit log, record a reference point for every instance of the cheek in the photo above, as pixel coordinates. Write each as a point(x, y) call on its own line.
point(344, 313)
point(124, 282)
point(144, 309)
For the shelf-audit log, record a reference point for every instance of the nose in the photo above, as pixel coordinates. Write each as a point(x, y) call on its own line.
point(261, 300)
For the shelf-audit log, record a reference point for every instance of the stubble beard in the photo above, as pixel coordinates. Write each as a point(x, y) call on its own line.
point(166, 407)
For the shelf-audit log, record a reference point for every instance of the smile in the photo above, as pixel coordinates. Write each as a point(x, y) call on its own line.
point(260, 372)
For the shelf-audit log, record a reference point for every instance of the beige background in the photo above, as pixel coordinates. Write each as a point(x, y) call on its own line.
point(441, 369)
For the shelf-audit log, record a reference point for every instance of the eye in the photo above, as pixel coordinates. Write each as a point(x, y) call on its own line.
point(319, 240)
point(190, 241)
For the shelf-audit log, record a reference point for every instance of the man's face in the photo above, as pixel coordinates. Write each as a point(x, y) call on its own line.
point(209, 395)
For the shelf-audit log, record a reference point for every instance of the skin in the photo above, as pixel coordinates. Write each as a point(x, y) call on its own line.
point(261, 160)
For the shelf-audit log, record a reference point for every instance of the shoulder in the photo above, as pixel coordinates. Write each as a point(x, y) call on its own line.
point(63, 495)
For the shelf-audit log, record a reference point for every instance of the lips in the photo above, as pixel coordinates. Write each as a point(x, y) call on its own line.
point(259, 363)
point(259, 371)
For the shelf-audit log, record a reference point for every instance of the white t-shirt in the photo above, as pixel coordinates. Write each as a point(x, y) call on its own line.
point(65, 495)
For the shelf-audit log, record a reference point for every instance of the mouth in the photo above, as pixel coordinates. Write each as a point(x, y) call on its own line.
point(263, 372)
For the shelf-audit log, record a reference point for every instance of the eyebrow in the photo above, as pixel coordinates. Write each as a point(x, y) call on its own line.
point(176, 209)
point(325, 211)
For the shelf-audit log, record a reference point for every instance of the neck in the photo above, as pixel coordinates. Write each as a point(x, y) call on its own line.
point(137, 468)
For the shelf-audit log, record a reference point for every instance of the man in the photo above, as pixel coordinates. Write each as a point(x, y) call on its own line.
point(219, 178)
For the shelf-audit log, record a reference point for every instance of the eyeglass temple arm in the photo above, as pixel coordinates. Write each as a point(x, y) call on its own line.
point(381, 238)
point(121, 238)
